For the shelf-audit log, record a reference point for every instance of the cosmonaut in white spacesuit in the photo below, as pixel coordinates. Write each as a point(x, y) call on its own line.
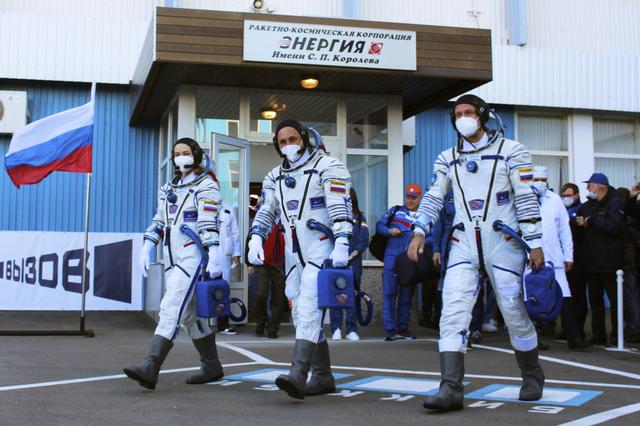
point(193, 199)
point(307, 185)
point(490, 177)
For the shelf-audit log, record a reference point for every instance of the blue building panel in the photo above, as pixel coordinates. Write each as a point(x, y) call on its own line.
point(123, 194)
point(434, 134)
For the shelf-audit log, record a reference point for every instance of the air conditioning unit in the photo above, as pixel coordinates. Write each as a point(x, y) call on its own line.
point(13, 111)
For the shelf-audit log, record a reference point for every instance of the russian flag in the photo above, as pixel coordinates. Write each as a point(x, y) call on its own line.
point(60, 142)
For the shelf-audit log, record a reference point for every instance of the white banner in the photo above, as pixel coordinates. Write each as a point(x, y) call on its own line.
point(310, 44)
point(43, 271)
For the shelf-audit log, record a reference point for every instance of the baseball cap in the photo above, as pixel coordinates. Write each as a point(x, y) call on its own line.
point(600, 178)
point(413, 189)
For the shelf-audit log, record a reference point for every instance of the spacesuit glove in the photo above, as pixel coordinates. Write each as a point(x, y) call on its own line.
point(213, 267)
point(256, 252)
point(340, 254)
point(145, 257)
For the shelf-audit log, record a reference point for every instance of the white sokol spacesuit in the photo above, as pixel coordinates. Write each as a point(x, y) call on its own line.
point(229, 240)
point(316, 187)
point(490, 181)
point(196, 205)
point(194, 201)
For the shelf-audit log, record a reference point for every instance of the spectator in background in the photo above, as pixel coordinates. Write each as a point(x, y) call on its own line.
point(602, 218)
point(439, 238)
point(357, 246)
point(576, 275)
point(630, 289)
point(396, 302)
point(229, 254)
point(557, 245)
point(270, 281)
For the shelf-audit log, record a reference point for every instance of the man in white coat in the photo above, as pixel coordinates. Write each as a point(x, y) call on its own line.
point(557, 246)
point(228, 254)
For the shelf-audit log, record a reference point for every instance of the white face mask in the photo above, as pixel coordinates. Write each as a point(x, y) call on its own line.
point(567, 201)
point(291, 152)
point(184, 162)
point(467, 126)
point(539, 187)
point(592, 195)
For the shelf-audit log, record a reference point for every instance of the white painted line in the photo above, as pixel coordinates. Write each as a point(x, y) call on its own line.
point(331, 342)
point(566, 362)
point(102, 378)
point(604, 416)
point(246, 352)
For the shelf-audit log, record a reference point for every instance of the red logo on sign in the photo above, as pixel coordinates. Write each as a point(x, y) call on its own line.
point(342, 298)
point(375, 48)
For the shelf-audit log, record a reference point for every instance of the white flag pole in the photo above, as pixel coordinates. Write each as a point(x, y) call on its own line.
point(86, 235)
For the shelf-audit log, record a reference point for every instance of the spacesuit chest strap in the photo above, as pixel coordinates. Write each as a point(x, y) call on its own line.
point(455, 162)
point(498, 157)
point(310, 174)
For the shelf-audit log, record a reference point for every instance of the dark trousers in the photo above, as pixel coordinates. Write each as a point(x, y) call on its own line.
point(578, 285)
point(569, 323)
point(431, 300)
point(598, 284)
point(269, 280)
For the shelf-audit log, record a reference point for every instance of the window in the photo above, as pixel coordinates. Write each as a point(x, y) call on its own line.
point(217, 111)
point(366, 123)
point(617, 150)
point(546, 137)
point(369, 180)
point(368, 156)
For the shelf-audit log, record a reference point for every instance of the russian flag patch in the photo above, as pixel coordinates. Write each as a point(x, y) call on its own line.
point(526, 174)
point(337, 186)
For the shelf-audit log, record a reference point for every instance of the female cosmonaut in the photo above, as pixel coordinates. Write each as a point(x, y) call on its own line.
point(191, 199)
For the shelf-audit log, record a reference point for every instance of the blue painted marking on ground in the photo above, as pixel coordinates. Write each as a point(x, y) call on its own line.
point(551, 396)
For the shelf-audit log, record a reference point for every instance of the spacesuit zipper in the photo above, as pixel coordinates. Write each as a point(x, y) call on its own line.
point(479, 247)
point(167, 236)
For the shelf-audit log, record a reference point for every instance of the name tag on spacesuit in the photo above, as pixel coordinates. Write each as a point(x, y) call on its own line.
point(474, 157)
point(190, 216)
point(502, 197)
point(317, 202)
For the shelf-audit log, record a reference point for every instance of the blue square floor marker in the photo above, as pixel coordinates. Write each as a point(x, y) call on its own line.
point(392, 384)
point(268, 375)
point(550, 396)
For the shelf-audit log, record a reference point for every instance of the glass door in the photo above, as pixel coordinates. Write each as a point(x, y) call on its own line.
point(232, 170)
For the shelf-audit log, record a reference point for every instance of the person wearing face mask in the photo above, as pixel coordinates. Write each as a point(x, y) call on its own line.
point(557, 245)
point(307, 185)
point(229, 256)
point(576, 276)
point(490, 177)
point(603, 222)
point(191, 198)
